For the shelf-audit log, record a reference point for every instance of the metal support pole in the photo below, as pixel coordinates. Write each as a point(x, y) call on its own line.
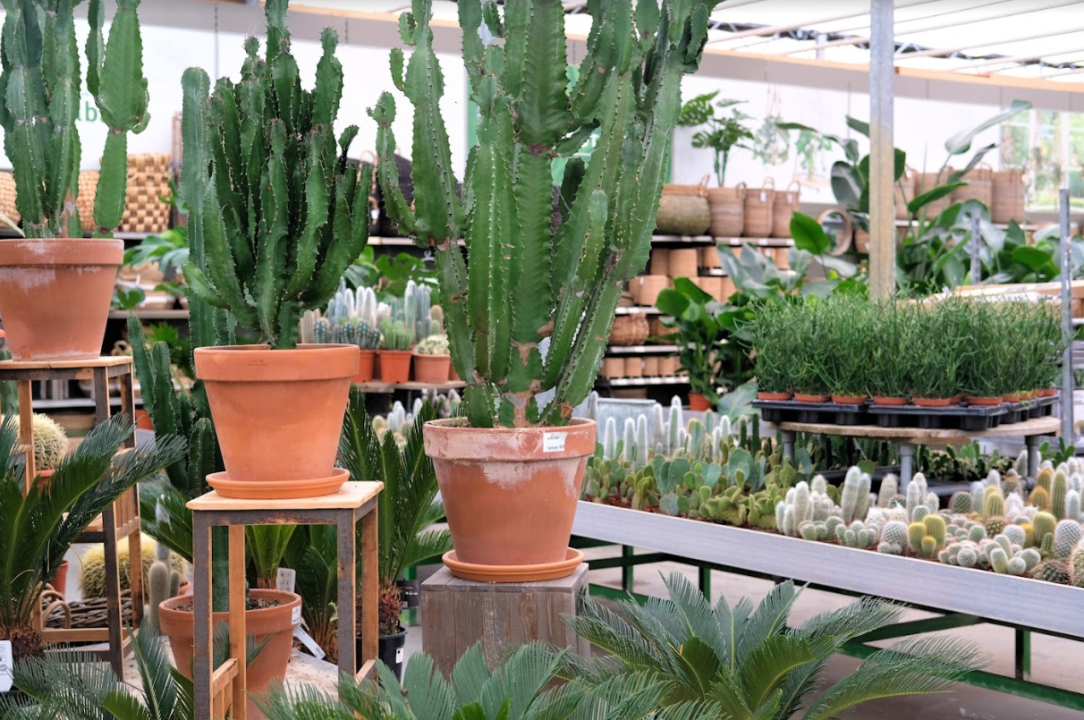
point(1067, 321)
point(907, 457)
point(976, 264)
point(628, 572)
point(1032, 444)
point(788, 444)
point(882, 230)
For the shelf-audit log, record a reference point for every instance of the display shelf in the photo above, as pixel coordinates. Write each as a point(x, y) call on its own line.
point(641, 349)
point(74, 403)
point(181, 314)
point(1026, 227)
point(379, 387)
point(638, 310)
point(756, 242)
point(396, 242)
point(6, 232)
point(682, 240)
point(644, 381)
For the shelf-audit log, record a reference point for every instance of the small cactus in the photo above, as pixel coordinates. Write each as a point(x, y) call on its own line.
point(1075, 567)
point(855, 498)
point(993, 503)
point(1044, 524)
point(1045, 479)
point(1058, 494)
point(960, 504)
point(396, 335)
point(994, 526)
point(1067, 536)
point(890, 486)
point(50, 442)
point(1040, 498)
point(1055, 570)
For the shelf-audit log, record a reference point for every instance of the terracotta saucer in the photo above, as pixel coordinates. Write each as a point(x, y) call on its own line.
point(514, 573)
point(279, 490)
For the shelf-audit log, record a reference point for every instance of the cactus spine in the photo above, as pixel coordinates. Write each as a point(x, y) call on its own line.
point(41, 102)
point(527, 279)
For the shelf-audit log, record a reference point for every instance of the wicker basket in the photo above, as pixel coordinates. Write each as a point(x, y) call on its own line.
point(660, 332)
point(727, 207)
point(7, 197)
point(148, 163)
point(980, 186)
point(711, 285)
point(613, 367)
point(660, 261)
point(709, 257)
point(726, 289)
point(649, 287)
point(928, 181)
point(629, 330)
point(669, 365)
point(651, 366)
point(904, 193)
point(88, 187)
point(144, 209)
point(634, 367)
point(684, 263)
point(1009, 193)
point(758, 211)
point(683, 209)
point(779, 256)
point(783, 208)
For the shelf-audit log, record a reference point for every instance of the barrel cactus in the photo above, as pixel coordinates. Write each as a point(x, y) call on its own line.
point(40, 87)
point(50, 442)
point(529, 277)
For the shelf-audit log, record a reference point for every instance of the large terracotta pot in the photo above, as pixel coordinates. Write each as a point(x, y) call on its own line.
point(510, 494)
point(55, 295)
point(278, 415)
point(276, 624)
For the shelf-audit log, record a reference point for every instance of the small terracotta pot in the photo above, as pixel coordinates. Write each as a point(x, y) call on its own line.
point(453, 376)
point(394, 366)
point(431, 368)
point(984, 401)
point(55, 295)
point(774, 396)
point(276, 624)
point(698, 401)
point(365, 366)
point(278, 415)
point(1029, 395)
point(1046, 392)
point(60, 582)
point(1015, 397)
point(889, 401)
point(510, 493)
point(143, 419)
point(936, 402)
point(803, 397)
point(848, 399)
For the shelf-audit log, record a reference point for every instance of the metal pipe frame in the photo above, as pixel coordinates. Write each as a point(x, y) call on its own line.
point(1067, 433)
point(882, 253)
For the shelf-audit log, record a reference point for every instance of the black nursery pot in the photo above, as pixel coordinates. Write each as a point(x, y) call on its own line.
point(391, 651)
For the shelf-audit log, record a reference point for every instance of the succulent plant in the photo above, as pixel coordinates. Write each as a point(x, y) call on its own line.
point(1067, 536)
point(433, 345)
point(50, 442)
point(527, 277)
point(1055, 570)
point(395, 335)
point(276, 213)
point(41, 103)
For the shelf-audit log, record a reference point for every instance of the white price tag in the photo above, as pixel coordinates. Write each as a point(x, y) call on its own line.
point(309, 643)
point(295, 617)
point(399, 653)
point(285, 579)
point(553, 442)
point(7, 665)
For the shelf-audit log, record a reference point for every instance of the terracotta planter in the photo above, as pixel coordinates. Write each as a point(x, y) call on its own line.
point(365, 366)
point(143, 420)
point(848, 399)
point(984, 401)
point(698, 401)
point(394, 366)
point(55, 295)
point(431, 368)
point(802, 397)
point(1046, 392)
point(452, 374)
point(776, 396)
point(276, 624)
point(60, 582)
point(1017, 397)
point(889, 401)
point(936, 402)
point(511, 494)
point(278, 415)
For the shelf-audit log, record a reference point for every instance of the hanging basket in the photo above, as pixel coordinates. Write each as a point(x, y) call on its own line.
point(1009, 193)
point(904, 193)
point(785, 204)
point(7, 197)
point(629, 330)
point(979, 186)
point(758, 211)
point(727, 206)
point(683, 209)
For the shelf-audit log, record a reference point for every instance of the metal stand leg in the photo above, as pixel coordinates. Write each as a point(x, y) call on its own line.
point(1023, 654)
point(347, 601)
point(788, 444)
point(628, 576)
point(704, 573)
point(238, 630)
point(1034, 456)
point(201, 606)
point(907, 457)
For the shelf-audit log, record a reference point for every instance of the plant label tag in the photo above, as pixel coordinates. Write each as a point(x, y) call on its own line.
point(553, 442)
point(399, 653)
point(285, 579)
point(295, 616)
point(7, 666)
point(309, 643)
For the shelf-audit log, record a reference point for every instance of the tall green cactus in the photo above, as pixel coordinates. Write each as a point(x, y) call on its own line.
point(40, 86)
point(528, 279)
point(277, 213)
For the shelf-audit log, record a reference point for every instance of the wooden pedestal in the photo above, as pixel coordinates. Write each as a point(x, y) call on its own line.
point(457, 613)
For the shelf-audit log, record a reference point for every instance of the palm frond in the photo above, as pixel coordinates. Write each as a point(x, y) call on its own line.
point(470, 675)
point(631, 696)
point(122, 705)
point(266, 545)
point(610, 632)
point(68, 683)
point(159, 689)
point(556, 704)
point(427, 545)
point(697, 613)
point(767, 667)
point(860, 617)
point(770, 618)
point(303, 703)
point(174, 528)
point(524, 676)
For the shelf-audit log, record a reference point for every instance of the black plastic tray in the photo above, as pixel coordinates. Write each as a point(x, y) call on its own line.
point(972, 418)
point(829, 413)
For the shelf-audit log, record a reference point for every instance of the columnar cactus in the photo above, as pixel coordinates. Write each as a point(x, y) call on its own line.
point(276, 213)
point(40, 87)
point(1066, 537)
point(529, 278)
point(855, 498)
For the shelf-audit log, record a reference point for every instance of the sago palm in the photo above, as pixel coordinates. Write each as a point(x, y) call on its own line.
point(38, 528)
point(745, 662)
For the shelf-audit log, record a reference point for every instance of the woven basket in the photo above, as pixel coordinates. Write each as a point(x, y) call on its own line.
point(779, 256)
point(904, 193)
point(928, 181)
point(88, 186)
point(629, 330)
point(648, 288)
point(785, 204)
point(711, 285)
point(613, 367)
point(684, 262)
point(148, 163)
point(683, 209)
point(980, 186)
point(726, 289)
point(634, 367)
point(651, 366)
point(709, 257)
point(177, 146)
point(659, 331)
point(660, 261)
point(669, 366)
point(758, 211)
point(144, 210)
point(7, 197)
point(1008, 195)
point(727, 207)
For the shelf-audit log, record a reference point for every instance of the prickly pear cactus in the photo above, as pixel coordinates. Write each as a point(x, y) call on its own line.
point(40, 87)
point(527, 277)
point(276, 213)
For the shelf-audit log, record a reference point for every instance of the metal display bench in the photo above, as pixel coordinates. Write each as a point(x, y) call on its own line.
point(217, 689)
point(906, 438)
point(118, 521)
point(960, 596)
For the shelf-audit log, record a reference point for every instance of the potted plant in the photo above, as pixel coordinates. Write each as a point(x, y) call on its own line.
point(37, 529)
point(41, 272)
point(693, 313)
point(396, 337)
point(406, 510)
point(722, 133)
point(510, 471)
point(938, 348)
point(350, 320)
point(845, 367)
point(264, 247)
point(431, 359)
point(888, 367)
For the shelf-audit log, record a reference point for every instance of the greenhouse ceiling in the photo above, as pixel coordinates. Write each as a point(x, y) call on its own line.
point(1041, 39)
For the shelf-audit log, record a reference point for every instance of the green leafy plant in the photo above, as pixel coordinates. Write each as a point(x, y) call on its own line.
point(389, 274)
point(38, 528)
point(40, 84)
point(168, 250)
point(128, 299)
point(525, 277)
point(313, 553)
point(723, 132)
point(699, 336)
point(743, 661)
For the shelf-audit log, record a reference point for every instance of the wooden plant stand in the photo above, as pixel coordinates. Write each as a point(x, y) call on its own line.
point(120, 520)
point(217, 689)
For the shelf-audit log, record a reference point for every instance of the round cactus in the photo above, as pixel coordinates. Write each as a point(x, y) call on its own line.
point(50, 442)
point(1066, 537)
point(960, 503)
point(935, 528)
point(1015, 534)
point(995, 526)
point(92, 575)
point(976, 533)
point(967, 557)
point(1044, 524)
point(1055, 570)
point(1032, 557)
point(1076, 567)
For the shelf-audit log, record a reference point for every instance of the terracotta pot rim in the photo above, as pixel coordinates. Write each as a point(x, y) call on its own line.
point(440, 356)
point(935, 402)
point(849, 399)
point(889, 401)
point(452, 439)
point(17, 252)
point(985, 401)
point(514, 573)
point(259, 363)
point(287, 601)
point(774, 395)
point(396, 352)
point(278, 489)
point(810, 398)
